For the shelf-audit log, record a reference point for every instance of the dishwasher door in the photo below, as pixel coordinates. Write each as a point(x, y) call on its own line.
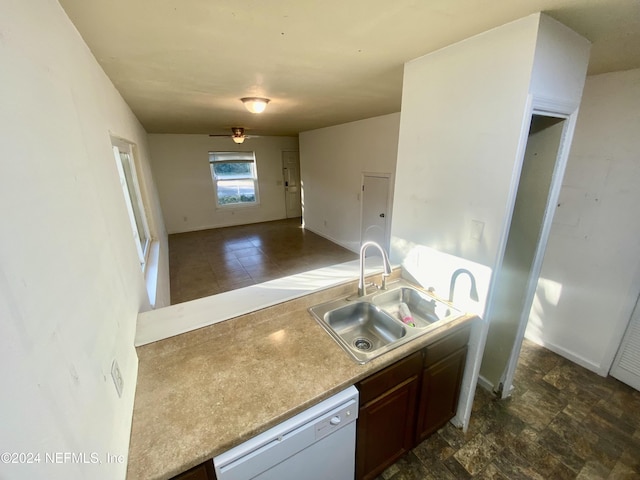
point(317, 444)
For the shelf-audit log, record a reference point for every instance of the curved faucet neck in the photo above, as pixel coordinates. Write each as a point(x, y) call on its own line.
point(473, 291)
point(362, 290)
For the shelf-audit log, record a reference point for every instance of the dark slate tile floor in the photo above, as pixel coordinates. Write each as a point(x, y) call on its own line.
point(561, 422)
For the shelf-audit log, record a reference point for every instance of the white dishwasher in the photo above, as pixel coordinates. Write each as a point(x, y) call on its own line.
point(317, 444)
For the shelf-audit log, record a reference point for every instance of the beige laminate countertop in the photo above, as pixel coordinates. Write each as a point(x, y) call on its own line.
point(206, 391)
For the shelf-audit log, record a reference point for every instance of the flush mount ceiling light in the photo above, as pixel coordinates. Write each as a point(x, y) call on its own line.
point(255, 104)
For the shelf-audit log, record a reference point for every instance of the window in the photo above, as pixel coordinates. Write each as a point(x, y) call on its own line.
point(129, 181)
point(235, 178)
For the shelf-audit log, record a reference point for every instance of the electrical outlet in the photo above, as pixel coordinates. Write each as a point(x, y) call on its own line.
point(117, 377)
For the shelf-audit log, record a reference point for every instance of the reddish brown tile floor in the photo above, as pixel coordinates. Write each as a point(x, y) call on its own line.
point(213, 261)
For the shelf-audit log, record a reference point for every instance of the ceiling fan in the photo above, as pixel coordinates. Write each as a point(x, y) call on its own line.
point(237, 135)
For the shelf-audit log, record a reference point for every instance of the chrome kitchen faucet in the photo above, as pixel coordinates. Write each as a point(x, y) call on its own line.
point(362, 289)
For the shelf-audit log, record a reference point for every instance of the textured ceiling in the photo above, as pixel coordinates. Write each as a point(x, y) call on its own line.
point(182, 65)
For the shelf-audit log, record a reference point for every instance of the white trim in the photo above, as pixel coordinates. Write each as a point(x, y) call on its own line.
point(471, 375)
point(233, 206)
point(152, 272)
point(553, 107)
point(149, 254)
point(215, 181)
point(486, 384)
point(353, 248)
point(569, 355)
point(121, 148)
point(562, 158)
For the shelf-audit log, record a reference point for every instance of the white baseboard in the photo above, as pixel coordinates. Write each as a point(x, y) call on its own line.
point(486, 384)
point(569, 355)
point(331, 239)
point(223, 225)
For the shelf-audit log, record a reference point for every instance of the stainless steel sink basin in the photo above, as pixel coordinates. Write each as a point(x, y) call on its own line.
point(369, 326)
point(424, 309)
point(360, 327)
point(364, 327)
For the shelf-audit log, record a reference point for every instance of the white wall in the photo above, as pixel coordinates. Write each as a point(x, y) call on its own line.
point(463, 111)
point(560, 64)
point(465, 115)
point(180, 166)
point(332, 161)
point(462, 114)
point(591, 273)
point(71, 285)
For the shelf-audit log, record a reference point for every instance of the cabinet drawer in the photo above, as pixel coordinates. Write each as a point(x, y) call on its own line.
point(388, 378)
point(445, 346)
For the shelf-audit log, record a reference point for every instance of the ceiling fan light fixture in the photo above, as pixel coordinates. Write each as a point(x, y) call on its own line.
point(238, 139)
point(255, 104)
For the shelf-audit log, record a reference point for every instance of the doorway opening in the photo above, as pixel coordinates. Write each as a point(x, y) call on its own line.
point(515, 282)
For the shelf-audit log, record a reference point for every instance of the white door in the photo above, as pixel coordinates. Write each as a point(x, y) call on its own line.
point(291, 172)
point(375, 209)
point(626, 366)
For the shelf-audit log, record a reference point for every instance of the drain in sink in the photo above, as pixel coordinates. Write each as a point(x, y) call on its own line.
point(362, 344)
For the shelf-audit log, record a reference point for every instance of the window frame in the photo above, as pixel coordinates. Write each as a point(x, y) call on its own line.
point(254, 177)
point(123, 152)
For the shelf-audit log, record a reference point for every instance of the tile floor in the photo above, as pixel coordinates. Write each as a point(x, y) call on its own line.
point(562, 422)
point(213, 261)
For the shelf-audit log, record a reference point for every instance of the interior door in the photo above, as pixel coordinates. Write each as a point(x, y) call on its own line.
point(375, 209)
point(626, 366)
point(291, 172)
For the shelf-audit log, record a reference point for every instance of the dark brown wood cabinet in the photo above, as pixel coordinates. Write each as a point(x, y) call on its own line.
point(387, 416)
point(439, 393)
point(406, 402)
point(204, 471)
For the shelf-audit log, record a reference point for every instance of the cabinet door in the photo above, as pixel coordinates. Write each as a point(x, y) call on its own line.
point(386, 429)
point(439, 394)
point(204, 471)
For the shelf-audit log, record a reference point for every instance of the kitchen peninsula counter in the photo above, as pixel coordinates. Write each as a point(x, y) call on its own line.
point(203, 392)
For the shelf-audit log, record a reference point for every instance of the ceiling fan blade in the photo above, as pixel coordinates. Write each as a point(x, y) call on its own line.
point(236, 132)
